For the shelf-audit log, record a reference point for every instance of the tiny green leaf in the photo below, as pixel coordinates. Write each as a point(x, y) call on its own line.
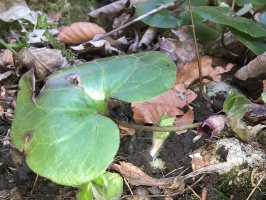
point(161, 19)
point(221, 15)
point(64, 131)
point(235, 105)
point(107, 186)
point(164, 121)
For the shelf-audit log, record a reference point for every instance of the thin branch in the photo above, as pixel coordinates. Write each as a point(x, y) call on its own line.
point(155, 128)
point(197, 51)
point(256, 186)
point(133, 21)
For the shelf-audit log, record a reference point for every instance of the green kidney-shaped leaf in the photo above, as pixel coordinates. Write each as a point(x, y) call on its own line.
point(161, 19)
point(221, 15)
point(235, 105)
point(63, 131)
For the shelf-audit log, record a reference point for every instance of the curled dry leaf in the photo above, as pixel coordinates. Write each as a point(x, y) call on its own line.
point(110, 9)
point(121, 20)
point(253, 69)
point(136, 176)
point(179, 51)
point(189, 74)
point(169, 102)
point(79, 32)
point(148, 36)
point(43, 61)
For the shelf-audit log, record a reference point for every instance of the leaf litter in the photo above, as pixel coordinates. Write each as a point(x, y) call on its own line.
point(180, 102)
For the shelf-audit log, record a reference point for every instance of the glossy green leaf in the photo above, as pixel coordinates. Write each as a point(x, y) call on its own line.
point(203, 31)
point(85, 192)
point(221, 15)
point(254, 44)
point(108, 186)
point(161, 19)
point(235, 105)
point(63, 131)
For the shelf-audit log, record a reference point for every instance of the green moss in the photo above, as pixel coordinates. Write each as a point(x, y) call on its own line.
point(237, 182)
point(67, 53)
point(71, 10)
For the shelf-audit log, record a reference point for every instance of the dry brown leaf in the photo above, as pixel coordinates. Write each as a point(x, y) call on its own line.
point(179, 51)
point(148, 36)
point(253, 68)
point(136, 176)
point(111, 9)
point(124, 131)
point(189, 74)
point(169, 102)
point(151, 113)
point(121, 20)
point(43, 61)
point(183, 32)
point(79, 32)
point(6, 74)
point(6, 58)
point(186, 119)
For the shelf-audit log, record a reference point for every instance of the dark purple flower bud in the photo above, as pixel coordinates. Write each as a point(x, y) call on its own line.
point(212, 126)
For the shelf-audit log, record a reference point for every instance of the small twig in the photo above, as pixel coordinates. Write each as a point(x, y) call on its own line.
point(155, 128)
point(8, 47)
point(256, 186)
point(34, 184)
point(128, 187)
point(133, 21)
point(194, 192)
point(223, 43)
point(197, 51)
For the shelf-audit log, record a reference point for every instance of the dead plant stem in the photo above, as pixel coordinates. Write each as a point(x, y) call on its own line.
point(133, 21)
point(197, 51)
point(155, 128)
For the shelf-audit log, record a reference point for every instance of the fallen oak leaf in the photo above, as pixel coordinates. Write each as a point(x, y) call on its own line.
point(151, 112)
point(169, 102)
point(189, 74)
point(180, 52)
point(79, 32)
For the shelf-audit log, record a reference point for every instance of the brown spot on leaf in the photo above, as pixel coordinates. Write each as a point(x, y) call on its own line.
point(75, 79)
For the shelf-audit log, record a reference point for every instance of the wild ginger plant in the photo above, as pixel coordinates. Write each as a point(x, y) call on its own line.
point(65, 131)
